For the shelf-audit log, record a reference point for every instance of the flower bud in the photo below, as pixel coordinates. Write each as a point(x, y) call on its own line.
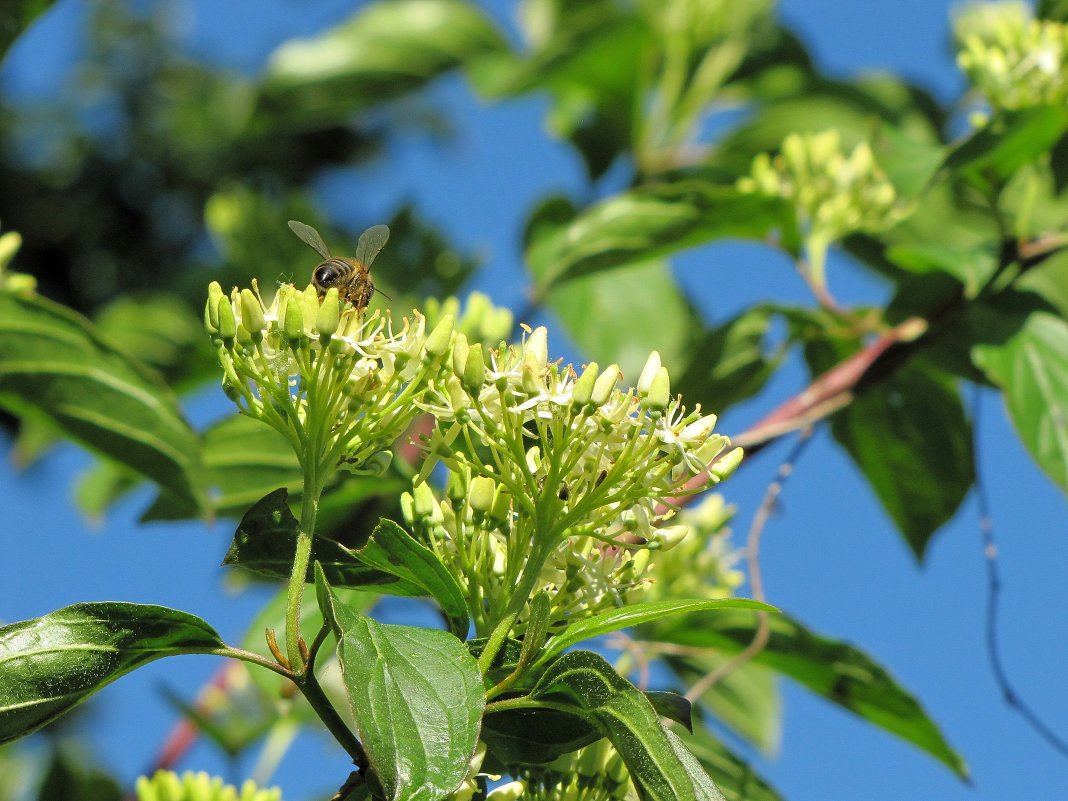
point(457, 485)
point(639, 562)
point(407, 505)
point(460, 349)
point(424, 502)
point(583, 389)
point(668, 537)
point(474, 369)
point(659, 392)
point(252, 319)
point(699, 430)
point(309, 304)
point(711, 448)
point(502, 505)
point(481, 494)
point(294, 319)
point(532, 385)
point(9, 246)
point(437, 344)
point(211, 316)
point(224, 313)
point(328, 316)
point(727, 464)
point(606, 382)
point(508, 792)
point(649, 372)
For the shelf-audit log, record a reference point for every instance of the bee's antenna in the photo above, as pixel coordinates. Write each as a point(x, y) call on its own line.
point(383, 294)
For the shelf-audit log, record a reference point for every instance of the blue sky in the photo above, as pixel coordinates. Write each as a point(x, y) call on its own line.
point(831, 557)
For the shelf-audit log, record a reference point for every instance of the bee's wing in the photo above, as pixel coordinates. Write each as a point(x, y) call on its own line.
point(371, 243)
point(310, 237)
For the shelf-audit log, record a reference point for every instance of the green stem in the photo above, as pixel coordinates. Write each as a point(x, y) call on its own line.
point(309, 509)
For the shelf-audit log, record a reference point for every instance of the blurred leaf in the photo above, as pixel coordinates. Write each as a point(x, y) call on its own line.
point(971, 267)
point(912, 441)
point(234, 718)
point(69, 778)
point(658, 315)
point(730, 364)
point(424, 683)
point(392, 550)
point(745, 700)
point(383, 51)
point(1050, 280)
point(55, 365)
point(1022, 348)
point(52, 663)
point(1053, 9)
point(625, 716)
point(735, 778)
point(992, 154)
point(908, 162)
point(835, 670)
point(101, 485)
point(15, 18)
point(651, 222)
point(246, 459)
point(266, 540)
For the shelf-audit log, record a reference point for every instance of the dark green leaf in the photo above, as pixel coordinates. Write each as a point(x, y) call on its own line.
point(625, 716)
point(658, 315)
point(266, 542)
point(730, 365)
point(634, 615)
point(1023, 350)
point(1053, 9)
point(69, 778)
point(520, 737)
point(416, 696)
point(992, 154)
point(393, 551)
point(54, 364)
point(16, 18)
point(383, 51)
point(913, 442)
point(671, 705)
point(835, 670)
point(52, 663)
point(735, 777)
point(652, 222)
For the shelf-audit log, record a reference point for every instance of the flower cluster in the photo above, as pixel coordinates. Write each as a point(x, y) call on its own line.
point(834, 193)
point(1012, 59)
point(166, 785)
point(593, 773)
point(342, 389)
point(558, 480)
point(14, 282)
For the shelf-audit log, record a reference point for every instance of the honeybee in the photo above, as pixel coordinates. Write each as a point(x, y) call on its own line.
point(351, 277)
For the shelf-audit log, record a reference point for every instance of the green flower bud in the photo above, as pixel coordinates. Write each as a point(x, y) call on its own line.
point(293, 325)
point(726, 465)
point(582, 392)
point(437, 344)
point(668, 537)
point(502, 505)
point(227, 324)
point(482, 492)
point(536, 348)
point(508, 792)
point(329, 314)
point(9, 246)
point(407, 505)
point(711, 448)
point(457, 485)
point(649, 372)
point(252, 319)
point(215, 294)
point(460, 349)
point(532, 385)
point(606, 382)
point(425, 503)
point(659, 392)
point(474, 369)
point(309, 304)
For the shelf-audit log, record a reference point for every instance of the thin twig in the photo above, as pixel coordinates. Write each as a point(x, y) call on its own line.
point(993, 582)
point(756, 581)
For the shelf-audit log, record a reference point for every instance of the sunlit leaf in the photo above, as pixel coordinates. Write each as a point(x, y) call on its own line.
point(416, 696)
point(735, 778)
point(52, 663)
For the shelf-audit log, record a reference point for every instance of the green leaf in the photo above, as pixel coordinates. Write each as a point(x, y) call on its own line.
point(16, 18)
point(703, 786)
point(634, 615)
point(735, 777)
point(836, 670)
point(52, 663)
point(624, 715)
point(651, 222)
point(417, 698)
point(246, 459)
point(55, 365)
point(266, 541)
point(992, 154)
point(672, 706)
point(729, 364)
point(531, 737)
point(383, 51)
point(912, 441)
point(972, 267)
point(658, 315)
point(71, 778)
point(1023, 350)
point(392, 550)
